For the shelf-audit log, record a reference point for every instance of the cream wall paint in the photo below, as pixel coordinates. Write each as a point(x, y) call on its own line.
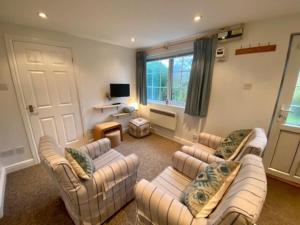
point(98, 64)
point(232, 107)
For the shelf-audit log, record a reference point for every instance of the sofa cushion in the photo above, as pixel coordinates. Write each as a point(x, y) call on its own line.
point(107, 158)
point(230, 147)
point(172, 182)
point(203, 194)
point(80, 162)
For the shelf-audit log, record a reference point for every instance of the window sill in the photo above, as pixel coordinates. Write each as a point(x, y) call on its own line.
point(182, 107)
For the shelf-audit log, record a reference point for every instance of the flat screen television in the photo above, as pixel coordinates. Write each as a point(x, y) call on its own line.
point(119, 90)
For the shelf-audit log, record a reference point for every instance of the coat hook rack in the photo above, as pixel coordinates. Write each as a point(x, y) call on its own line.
point(259, 48)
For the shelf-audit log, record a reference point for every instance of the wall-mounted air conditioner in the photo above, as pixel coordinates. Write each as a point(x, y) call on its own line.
point(231, 33)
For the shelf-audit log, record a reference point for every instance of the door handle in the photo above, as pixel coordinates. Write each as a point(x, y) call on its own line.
point(286, 110)
point(31, 108)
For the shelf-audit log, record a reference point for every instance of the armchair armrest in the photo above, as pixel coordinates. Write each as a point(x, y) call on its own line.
point(202, 155)
point(209, 140)
point(187, 164)
point(97, 148)
point(160, 208)
point(255, 145)
point(116, 172)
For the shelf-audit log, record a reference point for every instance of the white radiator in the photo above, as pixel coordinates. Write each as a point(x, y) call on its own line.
point(163, 118)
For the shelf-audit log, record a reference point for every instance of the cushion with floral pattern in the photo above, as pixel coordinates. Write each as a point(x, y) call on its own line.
point(207, 189)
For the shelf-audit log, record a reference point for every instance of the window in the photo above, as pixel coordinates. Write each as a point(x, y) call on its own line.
point(294, 116)
point(168, 79)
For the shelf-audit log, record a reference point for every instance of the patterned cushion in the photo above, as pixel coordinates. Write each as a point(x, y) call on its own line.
point(233, 143)
point(81, 163)
point(207, 189)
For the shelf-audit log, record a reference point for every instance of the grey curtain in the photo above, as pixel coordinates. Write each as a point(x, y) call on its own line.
point(141, 86)
point(201, 77)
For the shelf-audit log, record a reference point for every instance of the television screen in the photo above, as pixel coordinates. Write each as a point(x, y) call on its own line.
point(119, 90)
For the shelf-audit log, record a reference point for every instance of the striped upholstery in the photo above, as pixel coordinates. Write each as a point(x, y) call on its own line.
point(96, 148)
point(94, 201)
point(209, 140)
point(171, 182)
point(174, 179)
point(208, 143)
point(241, 205)
point(199, 153)
point(187, 165)
point(107, 158)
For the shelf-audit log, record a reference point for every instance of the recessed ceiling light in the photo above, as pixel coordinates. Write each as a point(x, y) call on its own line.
point(42, 15)
point(132, 39)
point(197, 18)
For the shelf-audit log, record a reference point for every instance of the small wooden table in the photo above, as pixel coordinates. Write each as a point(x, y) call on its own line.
point(102, 128)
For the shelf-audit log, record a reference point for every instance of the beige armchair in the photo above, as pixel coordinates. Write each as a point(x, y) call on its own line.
point(208, 143)
point(93, 201)
point(159, 202)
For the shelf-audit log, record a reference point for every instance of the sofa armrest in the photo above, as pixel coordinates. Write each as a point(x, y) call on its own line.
point(202, 155)
point(116, 172)
point(160, 208)
point(209, 140)
point(255, 145)
point(97, 148)
point(187, 164)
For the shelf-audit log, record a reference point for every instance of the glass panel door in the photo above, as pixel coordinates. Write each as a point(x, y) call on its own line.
point(293, 117)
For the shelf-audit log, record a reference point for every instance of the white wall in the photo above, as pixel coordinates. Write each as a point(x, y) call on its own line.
point(98, 64)
point(232, 107)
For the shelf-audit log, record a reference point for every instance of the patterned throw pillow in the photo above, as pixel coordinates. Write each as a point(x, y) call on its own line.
point(81, 163)
point(208, 188)
point(232, 144)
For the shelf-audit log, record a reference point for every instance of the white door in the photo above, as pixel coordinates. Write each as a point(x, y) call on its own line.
point(282, 158)
point(46, 77)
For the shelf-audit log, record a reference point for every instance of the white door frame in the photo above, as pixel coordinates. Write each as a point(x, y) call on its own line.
point(276, 108)
point(9, 39)
point(271, 146)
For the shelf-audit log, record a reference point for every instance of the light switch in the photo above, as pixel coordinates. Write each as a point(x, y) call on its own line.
point(3, 87)
point(247, 86)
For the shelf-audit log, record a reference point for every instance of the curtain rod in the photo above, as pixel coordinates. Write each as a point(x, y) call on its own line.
point(191, 38)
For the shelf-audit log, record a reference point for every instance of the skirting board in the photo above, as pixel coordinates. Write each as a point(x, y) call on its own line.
point(19, 165)
point(175, 138)
point(2, 189)
point(6, 170)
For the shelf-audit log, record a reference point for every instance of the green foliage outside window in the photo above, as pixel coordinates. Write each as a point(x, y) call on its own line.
point(169, 77)
point(294, 116)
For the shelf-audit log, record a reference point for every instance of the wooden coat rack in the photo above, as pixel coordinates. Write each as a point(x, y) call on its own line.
point(257, 49)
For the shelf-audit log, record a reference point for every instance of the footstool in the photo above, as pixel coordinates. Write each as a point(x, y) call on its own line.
point(139, 127)
point(101, 129)
point(114, 137)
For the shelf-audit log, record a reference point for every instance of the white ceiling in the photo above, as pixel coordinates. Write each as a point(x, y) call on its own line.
point(151, 22)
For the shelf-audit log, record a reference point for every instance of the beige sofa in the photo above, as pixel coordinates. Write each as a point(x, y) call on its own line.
point(208, 143)
point(111, 187)
point(160, 202)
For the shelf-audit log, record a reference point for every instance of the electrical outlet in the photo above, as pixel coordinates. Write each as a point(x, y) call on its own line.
point(7, 152)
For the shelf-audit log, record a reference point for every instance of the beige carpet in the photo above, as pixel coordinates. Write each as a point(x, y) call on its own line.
point(31, 199)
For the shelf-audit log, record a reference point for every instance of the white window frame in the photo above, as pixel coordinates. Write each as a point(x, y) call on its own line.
point(169, 83)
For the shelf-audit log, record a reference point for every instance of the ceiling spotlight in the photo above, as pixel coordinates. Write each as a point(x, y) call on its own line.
point(197, 18)
point(132, 39)
point(42, 15)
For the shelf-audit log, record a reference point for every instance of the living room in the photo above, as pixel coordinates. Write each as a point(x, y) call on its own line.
point(185, 68)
